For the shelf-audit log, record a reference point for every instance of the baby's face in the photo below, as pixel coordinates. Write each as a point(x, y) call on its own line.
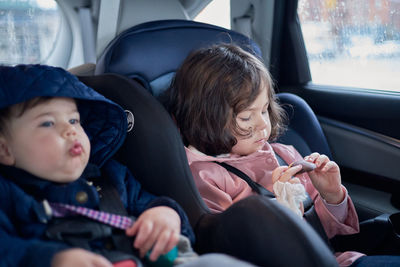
point(49, 141)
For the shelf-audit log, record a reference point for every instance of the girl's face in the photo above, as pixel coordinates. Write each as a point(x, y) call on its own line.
point(256, 120)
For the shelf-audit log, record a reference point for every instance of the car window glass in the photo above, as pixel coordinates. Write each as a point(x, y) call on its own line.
point(217, 12)
point(354, 43)
point(28, 30)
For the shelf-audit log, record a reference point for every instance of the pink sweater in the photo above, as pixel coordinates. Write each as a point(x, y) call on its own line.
point(220, 188)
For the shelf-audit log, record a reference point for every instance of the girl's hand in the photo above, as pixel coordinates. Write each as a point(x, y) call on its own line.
point(326, 178)
point(285, 174)
point(158, 229)
point(80, 258)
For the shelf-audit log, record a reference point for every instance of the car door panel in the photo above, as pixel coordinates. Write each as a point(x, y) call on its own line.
point(362, 126)
point(366, 161)
point(362, 149)
point(362, 129)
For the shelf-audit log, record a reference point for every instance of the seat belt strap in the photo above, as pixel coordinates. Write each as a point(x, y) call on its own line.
point(111, 209)
point(87, 35)
point(280, 160)
point(243, 24)
point(108, 22)
point(117, 221)
point(112, 213)
point(259, 189)
point(256, 187)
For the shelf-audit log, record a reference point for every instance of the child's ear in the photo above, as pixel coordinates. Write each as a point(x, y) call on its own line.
point(6, 157)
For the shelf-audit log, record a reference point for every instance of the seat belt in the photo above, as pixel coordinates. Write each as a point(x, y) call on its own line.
point(81, 231)
point(108, 22)
point(110, 202)
point(243, 24)
point(87, 35)
point(259, 189)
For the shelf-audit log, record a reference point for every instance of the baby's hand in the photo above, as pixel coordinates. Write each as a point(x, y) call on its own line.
point(79, 258)
point(326, 178)
point(157, 228)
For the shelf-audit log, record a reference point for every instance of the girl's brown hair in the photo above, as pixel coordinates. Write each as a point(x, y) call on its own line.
point(212, 86)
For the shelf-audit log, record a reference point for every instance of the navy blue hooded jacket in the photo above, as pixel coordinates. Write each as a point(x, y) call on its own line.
point(23, 221)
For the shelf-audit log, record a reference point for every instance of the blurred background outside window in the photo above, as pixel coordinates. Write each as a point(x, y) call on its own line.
point(28, 30)
point(353, 43)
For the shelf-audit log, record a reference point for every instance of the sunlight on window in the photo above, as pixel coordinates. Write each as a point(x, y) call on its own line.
point(28, 30)
point(217, 13)
point(353, 43)
point(47, 4)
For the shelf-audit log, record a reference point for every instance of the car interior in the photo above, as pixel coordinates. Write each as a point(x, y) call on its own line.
point(126, 54)
point(129, 50)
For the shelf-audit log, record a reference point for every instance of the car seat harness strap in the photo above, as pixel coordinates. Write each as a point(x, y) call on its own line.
point(259, 189)
point(114, 220)
point(100, 231)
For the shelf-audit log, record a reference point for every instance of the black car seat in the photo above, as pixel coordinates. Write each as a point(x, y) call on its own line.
point(150, 53)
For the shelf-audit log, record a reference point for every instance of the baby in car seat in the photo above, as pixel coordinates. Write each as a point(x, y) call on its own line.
point(57, 137)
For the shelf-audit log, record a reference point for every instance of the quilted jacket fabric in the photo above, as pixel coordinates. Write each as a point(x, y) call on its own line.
point(22, 218)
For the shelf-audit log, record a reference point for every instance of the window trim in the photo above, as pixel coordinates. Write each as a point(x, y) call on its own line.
point(289, 57)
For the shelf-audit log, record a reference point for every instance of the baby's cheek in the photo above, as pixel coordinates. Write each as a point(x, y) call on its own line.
point(86, 145)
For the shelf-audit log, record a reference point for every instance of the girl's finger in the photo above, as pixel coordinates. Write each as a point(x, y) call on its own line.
point(321, 160)
point(328, 166)
point(312, 157)
point(289, 173)
point(277, 173)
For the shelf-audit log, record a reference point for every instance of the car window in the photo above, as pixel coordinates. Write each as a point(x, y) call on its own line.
point(352, 43)
point(28, 30)
point(216, 13)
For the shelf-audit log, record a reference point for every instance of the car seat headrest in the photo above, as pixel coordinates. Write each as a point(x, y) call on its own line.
point(304, 130)
point(151, 52)
point(153, 150)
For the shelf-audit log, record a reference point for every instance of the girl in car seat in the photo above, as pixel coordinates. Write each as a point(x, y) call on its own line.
point(224, 104)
